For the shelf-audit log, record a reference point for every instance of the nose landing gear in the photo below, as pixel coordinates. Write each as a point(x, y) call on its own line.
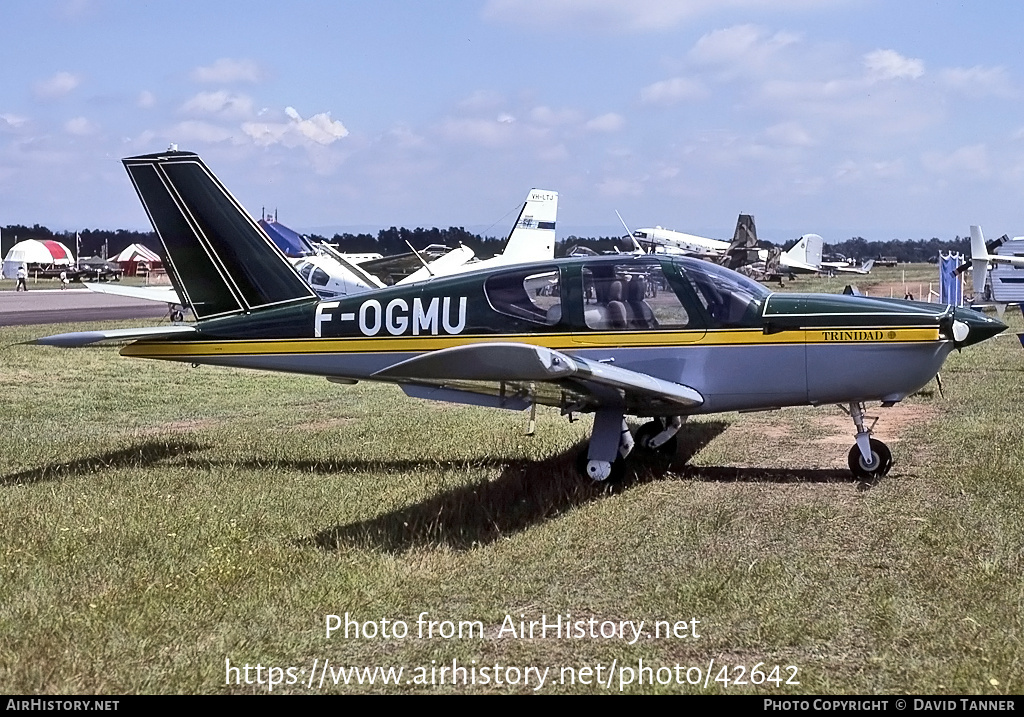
point(870, 458)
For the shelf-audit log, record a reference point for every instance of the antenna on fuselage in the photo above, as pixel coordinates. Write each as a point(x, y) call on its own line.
point(632, 238)
point(424, 263)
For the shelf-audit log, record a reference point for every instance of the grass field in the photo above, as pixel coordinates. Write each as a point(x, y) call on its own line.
point(159, 520)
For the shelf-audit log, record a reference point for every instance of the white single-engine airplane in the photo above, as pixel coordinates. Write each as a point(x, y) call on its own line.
point(981, 260)
point(655, 336)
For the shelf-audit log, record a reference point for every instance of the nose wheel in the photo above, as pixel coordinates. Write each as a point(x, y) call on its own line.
point(869, 459)
point(878, 465)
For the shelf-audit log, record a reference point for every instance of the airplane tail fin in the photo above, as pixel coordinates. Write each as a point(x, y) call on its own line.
point(743, 248)
point(867, 266)
point(533, 236)
point(218, 258)
point(745, 234)
point(979, 261)
point(807, 250)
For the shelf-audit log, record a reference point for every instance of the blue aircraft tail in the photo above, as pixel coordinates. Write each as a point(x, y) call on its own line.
point(219, 259)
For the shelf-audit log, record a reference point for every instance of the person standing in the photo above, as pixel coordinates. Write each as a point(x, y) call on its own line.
point(22, 279)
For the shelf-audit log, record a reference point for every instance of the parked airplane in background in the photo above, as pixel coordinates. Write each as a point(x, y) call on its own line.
point(842, 267)
point(708, 340)
point(804, 257)
point(673, 242)
point(995, 277)
point(981, 260)
point(532, 239)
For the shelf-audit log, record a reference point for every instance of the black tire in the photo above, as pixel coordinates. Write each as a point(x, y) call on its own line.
point(649, 430)
point(880, 465)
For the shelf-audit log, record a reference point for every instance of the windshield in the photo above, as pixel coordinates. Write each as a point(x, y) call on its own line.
point(731, 299)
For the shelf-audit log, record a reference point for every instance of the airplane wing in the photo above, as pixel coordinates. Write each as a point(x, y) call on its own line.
point(77, 339)
point(166, 294)
point(513, 375)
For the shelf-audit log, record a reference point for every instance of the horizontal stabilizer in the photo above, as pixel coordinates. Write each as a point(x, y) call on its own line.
point(78, 339)
point(166, 294)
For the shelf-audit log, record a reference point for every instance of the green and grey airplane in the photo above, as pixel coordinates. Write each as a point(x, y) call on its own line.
point(659, 337)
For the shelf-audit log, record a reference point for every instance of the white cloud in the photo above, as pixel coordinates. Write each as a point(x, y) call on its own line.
point(220, 103)
point(227, 70)
point(553, 153)
point(57, 86)
point(13, 121)
point(891, 65)
point(146, 100)
point(747, 48)
point(80, 126)
point(197, 131)
point(70, 10)
point(619, 187)
point(978, 81)
point(790, 134)
point(319, 129)
point(672, 91)
point(609, 122)
point(551, 118)
point(971, 159)
point(618, 16)
point(483, 132)
point(482, 101)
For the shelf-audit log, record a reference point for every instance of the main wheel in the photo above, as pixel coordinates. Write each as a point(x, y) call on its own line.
point(617, 474)
point(881, 461)
point(648, 431)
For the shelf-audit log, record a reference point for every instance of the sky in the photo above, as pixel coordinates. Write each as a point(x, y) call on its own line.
point(840, 117)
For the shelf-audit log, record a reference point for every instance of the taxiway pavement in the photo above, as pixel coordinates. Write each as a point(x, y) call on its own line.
point(53, 306)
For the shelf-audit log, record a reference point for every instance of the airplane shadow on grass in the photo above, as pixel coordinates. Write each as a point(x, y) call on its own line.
point(142, 455)
point(529, 492)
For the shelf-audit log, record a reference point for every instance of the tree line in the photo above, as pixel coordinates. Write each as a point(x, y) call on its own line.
point(396, 240)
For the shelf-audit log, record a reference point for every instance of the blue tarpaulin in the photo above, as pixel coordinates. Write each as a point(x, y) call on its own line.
point(287, 240)
point(951, 285)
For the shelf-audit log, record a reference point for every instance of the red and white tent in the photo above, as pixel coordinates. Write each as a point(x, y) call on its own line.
point(42, 252)
point(136, 256)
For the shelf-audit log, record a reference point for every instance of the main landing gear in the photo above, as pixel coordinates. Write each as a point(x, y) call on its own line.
point(611, 443)
point(869, 459)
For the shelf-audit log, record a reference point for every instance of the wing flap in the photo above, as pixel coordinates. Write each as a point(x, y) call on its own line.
point(499, 361)
point(517, 364)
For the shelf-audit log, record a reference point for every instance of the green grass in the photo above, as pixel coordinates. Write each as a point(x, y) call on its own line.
point(159, 519)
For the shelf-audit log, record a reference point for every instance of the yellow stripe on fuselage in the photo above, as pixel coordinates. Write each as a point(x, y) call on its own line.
point(617, 339)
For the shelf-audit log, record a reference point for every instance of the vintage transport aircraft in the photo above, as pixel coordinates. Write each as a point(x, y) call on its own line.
point(659, 337)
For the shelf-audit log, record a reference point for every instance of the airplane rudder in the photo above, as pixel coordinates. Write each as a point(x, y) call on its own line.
point(224, 260)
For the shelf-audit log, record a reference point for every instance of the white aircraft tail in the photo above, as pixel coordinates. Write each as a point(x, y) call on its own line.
point(979, 261)
point(533, 236)
point(807, 251)
point(449, 263)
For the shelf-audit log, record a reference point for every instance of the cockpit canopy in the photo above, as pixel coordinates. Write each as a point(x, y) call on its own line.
point(623, 293)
